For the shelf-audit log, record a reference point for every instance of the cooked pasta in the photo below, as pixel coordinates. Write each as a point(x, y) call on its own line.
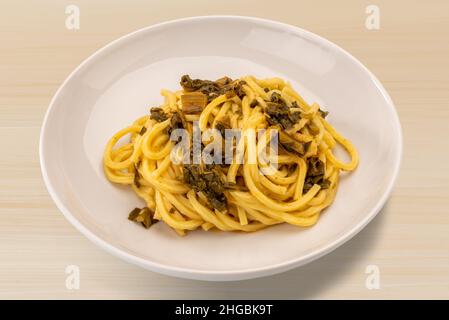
point(240, 191)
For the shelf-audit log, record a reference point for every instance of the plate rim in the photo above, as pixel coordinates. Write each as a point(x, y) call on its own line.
point(223, 275)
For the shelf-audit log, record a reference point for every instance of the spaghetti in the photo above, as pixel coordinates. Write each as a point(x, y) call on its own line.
point(233, 195)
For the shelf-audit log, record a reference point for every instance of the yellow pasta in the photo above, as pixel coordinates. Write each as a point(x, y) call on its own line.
point(257, 185)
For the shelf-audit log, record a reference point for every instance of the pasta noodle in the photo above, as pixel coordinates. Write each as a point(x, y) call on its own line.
point(246, 193)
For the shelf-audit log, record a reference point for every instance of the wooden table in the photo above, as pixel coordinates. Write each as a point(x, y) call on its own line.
point(408, 241)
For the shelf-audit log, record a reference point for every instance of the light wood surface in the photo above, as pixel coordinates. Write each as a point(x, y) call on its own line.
point(408, 241)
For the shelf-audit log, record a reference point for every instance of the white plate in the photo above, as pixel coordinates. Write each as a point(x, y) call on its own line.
point(118, 83)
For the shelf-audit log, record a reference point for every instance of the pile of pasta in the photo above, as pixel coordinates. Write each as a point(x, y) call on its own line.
point(302, 185)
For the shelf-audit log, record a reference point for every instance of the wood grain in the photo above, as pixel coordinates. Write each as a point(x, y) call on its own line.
point(408, 241)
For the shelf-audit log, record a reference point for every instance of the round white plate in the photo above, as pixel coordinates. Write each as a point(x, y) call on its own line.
point(120, 82)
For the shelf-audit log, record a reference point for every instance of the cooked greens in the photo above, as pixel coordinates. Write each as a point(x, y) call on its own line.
point(207, 179)
point(322, 113)
point(213, 89)
point(315, 174)
point(143, 130)
point(143, 216)
point(222, 126)
point(136, 177)
point(278, 112)
point(158, 114)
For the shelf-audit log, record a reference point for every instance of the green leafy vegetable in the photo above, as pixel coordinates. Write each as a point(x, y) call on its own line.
point(278, 113)
point(158, 114)
point(208, 181)
point(213, 89)
point(222, 126)
point(315, 174)
point(136, 177)
point(143, 216)
point(322, 113)
point(143, 130)
point(177, 121)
